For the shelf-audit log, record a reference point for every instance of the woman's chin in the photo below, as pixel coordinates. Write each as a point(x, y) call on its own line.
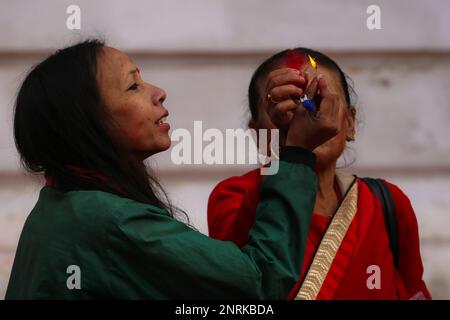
point(160, 147)
point(163, 145)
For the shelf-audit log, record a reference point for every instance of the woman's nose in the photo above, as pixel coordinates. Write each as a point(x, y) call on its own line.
point(158, 95)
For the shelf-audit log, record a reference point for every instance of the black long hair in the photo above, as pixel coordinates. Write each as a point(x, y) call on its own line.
point(254, 89)
point(59, 122)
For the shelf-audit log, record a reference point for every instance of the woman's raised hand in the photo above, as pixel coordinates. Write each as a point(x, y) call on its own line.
point(310, 130)
point(283, 90)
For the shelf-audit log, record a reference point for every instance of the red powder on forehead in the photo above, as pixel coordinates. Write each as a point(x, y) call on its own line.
point(294, 60)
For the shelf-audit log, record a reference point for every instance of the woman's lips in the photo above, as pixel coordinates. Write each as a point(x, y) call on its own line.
point(161, 123)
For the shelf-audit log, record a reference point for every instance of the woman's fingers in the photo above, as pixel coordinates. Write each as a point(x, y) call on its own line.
point(286, 106)
point(323, 87)
point(311, 90)
point(282, 113)
point(329, 110)
point(281, 71)
point(285, 92)
point(283, 77)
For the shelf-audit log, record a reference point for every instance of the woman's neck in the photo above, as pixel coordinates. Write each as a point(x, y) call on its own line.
point(326, 198)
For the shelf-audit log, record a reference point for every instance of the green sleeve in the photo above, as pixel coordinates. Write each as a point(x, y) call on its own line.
point(152, 255)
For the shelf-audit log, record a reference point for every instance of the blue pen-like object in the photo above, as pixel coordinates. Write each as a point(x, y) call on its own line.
point(307, 103)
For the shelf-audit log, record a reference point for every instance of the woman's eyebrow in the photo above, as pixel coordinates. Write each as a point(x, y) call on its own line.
point(132, 72)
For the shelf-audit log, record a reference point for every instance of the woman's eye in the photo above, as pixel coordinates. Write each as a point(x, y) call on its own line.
point(134, 86)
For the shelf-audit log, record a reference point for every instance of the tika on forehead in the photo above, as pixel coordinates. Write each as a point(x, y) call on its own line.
point(294, 60)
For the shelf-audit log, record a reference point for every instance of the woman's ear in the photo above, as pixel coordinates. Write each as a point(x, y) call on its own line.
point(351, 121)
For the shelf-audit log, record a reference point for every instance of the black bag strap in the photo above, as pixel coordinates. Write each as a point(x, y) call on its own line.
point(380, 189)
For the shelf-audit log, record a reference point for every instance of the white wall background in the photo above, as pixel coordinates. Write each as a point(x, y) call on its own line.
point(203, 52)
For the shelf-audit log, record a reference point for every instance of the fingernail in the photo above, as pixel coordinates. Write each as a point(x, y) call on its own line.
point(320, 76)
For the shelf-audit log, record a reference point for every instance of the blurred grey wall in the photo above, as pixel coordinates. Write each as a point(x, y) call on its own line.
point(203, 52)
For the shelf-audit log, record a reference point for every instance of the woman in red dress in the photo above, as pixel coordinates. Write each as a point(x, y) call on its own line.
point(347, 254)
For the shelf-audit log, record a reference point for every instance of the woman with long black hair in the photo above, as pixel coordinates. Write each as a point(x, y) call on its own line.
point(85, 118)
